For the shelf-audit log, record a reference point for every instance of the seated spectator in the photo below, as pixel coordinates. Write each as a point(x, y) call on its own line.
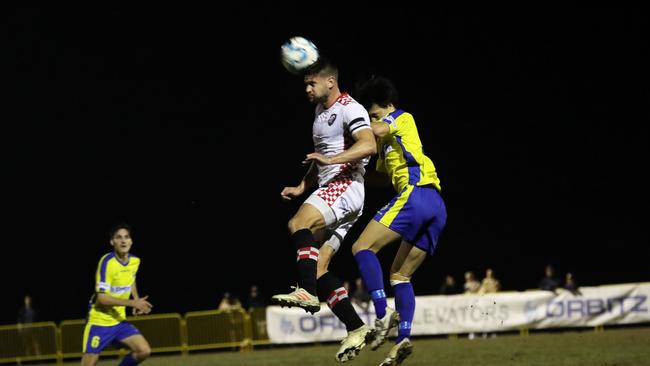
point(255, 299)
point(471, 285)
point(549, 282)
point(229, 302)
point(489, 284)
point(449, 286)
point(571, 285)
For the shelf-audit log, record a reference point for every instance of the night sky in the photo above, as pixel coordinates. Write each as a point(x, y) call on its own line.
point(182, 121)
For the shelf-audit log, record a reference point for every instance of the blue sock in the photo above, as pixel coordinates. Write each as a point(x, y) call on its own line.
point(128, 360)
point(405, 304)
point(373, 279)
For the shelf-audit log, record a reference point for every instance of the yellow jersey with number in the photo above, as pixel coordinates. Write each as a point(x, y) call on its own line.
point(116, 279)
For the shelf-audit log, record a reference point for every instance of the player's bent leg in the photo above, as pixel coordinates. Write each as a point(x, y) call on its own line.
point(307, 217)
point(89, 359)
point(140, 350)
point(325, 256)
point(305, 222)
point(406, 262)
point(374, 237)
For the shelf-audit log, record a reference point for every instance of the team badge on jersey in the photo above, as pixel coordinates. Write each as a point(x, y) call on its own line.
point(331, 120)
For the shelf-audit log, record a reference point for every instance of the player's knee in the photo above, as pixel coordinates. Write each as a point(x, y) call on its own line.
point(396, 277)
point(143, 352)
point(297, 223)
point(89, 360)
point(142, 355)
point(359, 246)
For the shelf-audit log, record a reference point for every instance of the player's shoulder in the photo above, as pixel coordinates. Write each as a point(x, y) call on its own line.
point(350, 107)
point(134, 258)
point(106, 258)
point(346, 99)
point(400, 116)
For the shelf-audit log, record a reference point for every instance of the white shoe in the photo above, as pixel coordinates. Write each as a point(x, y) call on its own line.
point(300, 298)
point(383, 326)
point(353, 343)
point(398, 353)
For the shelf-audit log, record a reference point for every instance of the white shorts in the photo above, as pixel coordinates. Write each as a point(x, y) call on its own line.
point(341, 204)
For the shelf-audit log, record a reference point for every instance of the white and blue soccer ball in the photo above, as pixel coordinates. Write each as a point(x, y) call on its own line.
point(298, 53)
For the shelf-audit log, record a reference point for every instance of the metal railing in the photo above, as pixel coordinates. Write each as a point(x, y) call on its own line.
point(172, 332)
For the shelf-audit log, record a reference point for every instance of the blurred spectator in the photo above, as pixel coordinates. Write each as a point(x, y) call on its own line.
point(360, 296)
point(549, 282)
point(258, 318)
point(471, 285)
point(489, 284)
point(571, 285)
point(26, 316)
point(449, 286)
point(229, 302)
point(255, 298)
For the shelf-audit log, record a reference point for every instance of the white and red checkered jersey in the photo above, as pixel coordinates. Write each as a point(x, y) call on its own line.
point(332, 132)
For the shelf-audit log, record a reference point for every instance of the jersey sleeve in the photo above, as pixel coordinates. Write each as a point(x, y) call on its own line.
point(355, 118)
point(104, 276)
point(401, 124)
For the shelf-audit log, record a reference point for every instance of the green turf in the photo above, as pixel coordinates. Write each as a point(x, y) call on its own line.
point(613, 347)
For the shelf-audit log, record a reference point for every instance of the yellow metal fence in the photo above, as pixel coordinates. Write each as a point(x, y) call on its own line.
point(165, 332)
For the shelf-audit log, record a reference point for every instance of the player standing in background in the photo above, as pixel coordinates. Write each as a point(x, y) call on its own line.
point(416, 216)
point(343, 142)
point(114, 285)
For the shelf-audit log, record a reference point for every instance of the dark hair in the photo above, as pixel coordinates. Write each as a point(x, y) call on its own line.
point(376, 90)
point(323, 67)
point(115, 228)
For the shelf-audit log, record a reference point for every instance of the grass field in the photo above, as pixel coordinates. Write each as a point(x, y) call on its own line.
point(613, 347)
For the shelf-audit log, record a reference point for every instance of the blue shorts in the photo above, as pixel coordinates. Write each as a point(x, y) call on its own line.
point(418, 214)
point(98, 337)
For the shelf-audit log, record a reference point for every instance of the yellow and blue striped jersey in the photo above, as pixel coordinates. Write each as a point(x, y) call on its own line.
point(115, 279)
point(401, 155)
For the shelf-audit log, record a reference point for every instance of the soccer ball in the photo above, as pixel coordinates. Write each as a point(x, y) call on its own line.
point(297, 54)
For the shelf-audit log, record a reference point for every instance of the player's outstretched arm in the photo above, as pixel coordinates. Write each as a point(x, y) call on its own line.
point(380, 129)
point(306, 183)
point(364, 146)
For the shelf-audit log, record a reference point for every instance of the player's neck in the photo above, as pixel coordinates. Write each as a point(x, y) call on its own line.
point(122, 257)
point(333, 97)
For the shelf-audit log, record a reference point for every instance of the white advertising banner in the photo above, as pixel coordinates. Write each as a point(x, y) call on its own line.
point(614, 304)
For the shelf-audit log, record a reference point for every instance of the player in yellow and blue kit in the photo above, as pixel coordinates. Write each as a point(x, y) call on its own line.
point(416, 216)
point(114, 285)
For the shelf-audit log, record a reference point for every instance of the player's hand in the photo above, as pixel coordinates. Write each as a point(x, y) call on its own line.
point(318, 158)
point(290, 192)
point(142, 306)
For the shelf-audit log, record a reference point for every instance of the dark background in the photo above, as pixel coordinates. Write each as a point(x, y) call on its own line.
point(182, 121)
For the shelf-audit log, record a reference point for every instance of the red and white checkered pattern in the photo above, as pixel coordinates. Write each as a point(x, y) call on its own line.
point(337, 186)
point(334, 190)
point(336, 296)
point(308, 253)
